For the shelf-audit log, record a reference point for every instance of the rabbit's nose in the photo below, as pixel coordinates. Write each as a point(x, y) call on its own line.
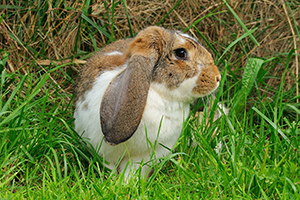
point(218, 78)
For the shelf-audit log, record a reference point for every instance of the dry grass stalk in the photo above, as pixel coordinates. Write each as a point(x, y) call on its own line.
point(295, 47)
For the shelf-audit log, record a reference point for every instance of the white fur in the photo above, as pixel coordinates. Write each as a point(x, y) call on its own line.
point(87, 112)
point(187, 36)
point(181, 39)
point(183, 93)
point(159, 106)
point(113, 53)
point(200, 65)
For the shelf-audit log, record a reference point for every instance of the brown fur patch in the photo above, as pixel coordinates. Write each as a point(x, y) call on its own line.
point(173, 71)
point(208, 80)
point(99, 63)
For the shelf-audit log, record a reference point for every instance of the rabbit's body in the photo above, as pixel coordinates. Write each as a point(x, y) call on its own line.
point(157, 108)
point(138, 85)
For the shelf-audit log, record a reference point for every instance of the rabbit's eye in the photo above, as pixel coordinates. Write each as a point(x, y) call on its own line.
point(181, 54)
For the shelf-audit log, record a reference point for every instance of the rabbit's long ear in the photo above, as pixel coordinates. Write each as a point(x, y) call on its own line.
point(125, 98)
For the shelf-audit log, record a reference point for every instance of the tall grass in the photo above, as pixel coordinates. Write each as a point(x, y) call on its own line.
point(254, 153)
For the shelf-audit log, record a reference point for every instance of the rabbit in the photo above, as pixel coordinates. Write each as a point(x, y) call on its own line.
point(138, 91)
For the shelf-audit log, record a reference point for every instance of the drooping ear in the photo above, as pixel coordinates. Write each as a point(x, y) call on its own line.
point(125, 98)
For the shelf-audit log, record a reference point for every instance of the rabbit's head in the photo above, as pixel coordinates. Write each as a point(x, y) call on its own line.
point(176, 66)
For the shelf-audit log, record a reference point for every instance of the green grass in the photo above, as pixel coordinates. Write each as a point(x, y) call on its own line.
point(42, 157)
point(254, 155)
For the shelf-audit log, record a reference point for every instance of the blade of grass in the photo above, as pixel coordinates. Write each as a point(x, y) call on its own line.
point(199, 20)
point(85, 7)
point(112, 20)
point(207, 42)
point(294, 108)
point(248, 33)
point(128, 18)
point(159, 23)
point(241, 22)
point(14, 92)
point(54, 153)
point(36, 90)
point(295, 44)
point(273, 125)
point(102, 30)
point(3, 59)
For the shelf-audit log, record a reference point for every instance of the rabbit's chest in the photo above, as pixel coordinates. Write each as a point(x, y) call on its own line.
point(162, 121)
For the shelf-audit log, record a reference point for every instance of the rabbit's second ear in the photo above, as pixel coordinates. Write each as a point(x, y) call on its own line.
point(125, 98)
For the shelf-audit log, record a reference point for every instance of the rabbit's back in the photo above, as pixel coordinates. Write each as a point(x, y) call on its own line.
point(106, 59)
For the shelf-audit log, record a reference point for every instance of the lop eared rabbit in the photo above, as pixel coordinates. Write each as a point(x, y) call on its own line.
point(125, 90)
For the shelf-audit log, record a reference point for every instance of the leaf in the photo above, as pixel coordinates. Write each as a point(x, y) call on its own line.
point(250, 73)
point(248, 81)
